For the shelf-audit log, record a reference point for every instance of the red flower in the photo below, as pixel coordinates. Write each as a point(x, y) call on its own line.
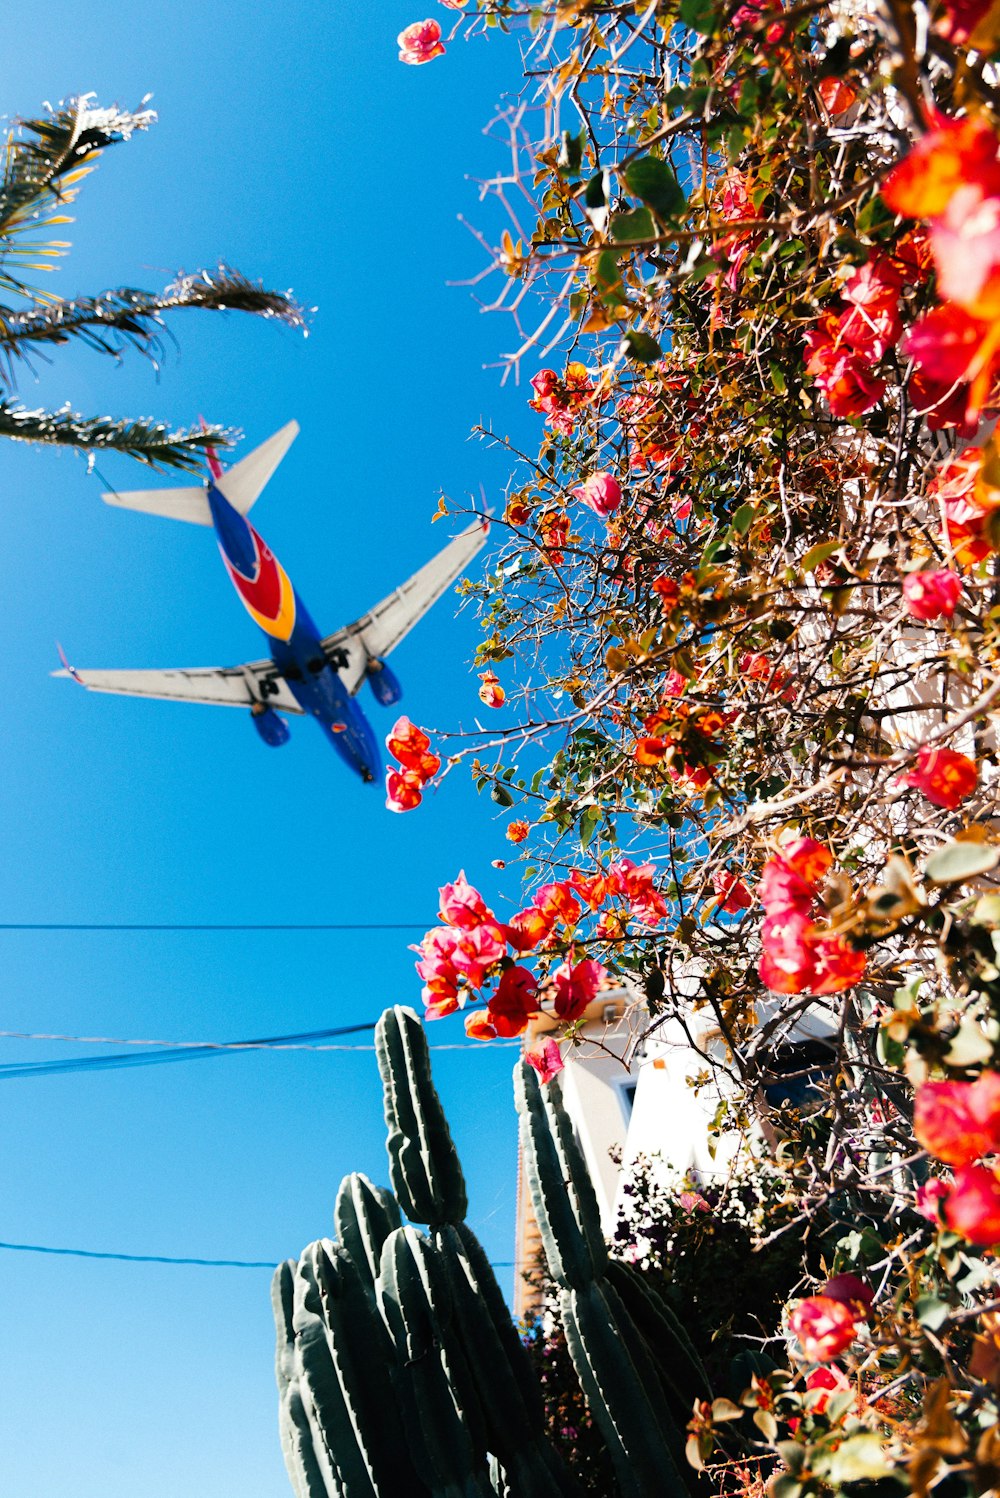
point(828, 1381)
point(410, 745)
point(420, 42)
point(932, 595)
point(850, 1291)
point(954, 489)
point(548, 1062)
point(837, 94)
point(402, 790)
point(837, 965)
point(972, 1207)
point(514, 1003)
point(576, 986)
point(824, 1327)
point(786, 963)
point(944, 776)
point(959, 1121)
point(731, 892)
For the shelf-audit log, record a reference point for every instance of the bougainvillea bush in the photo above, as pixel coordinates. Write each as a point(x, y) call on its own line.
point(741, 646)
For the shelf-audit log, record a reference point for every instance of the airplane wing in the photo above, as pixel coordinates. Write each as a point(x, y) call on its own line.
point(379, 631)
point(218, 686)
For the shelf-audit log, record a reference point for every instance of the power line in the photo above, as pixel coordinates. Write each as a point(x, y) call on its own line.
point(87, 1253)
point(191, 1050)
point(213, 925)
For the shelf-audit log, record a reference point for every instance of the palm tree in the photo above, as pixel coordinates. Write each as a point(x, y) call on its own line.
point(45, 160)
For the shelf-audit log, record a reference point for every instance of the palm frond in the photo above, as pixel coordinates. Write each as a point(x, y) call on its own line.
point(128, 318)
point(44, 160)
point(148, 441)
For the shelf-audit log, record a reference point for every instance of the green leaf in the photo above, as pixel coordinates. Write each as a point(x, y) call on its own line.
point(817, 554)
point(571, 153)
point(501, 795)
point(743, 519)
point(931, 1312)
point(595, 194)
point(590, 821)
point(957, 861)
point(700, 15)
point(641, 347)
point(606, 279)
point(626, 227)
point(859, 1457)
point(653, 180)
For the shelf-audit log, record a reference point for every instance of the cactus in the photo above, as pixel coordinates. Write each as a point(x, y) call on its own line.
point(399, 1369)
point(612, 1358)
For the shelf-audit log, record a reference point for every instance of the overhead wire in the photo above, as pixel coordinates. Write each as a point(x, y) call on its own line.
point(191, 1050)
point(87, 1253)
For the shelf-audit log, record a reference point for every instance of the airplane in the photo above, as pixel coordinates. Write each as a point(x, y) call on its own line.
point(306, 672)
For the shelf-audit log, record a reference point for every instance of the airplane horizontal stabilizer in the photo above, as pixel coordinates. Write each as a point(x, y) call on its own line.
point(177, 504)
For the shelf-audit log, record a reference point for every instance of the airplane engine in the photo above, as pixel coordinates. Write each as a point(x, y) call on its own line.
point(272, 729)
point(384, 684)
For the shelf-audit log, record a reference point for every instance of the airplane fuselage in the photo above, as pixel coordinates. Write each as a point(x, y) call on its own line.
point(294, 642)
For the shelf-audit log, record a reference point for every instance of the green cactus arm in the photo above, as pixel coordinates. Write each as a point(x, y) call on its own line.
point(484, 1282)
point(364, 1361)
point(440, 1409)
point(569, 1253)
point(622, 1398)
point(514, 1429)
point(575, 1172)
point(293, 1424)
point(423, 1162)
point(338, 1454)
point(364, 1216)
point(679, 1365)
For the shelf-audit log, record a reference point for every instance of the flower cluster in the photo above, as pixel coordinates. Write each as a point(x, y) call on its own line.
point(562, 400)
point(959, 1123)
point(420, 42)
point(951, 179)
point(944, 776)
point(412, 748)
point(799, 955)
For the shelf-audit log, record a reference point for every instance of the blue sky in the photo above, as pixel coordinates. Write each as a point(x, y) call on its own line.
point(292, 143)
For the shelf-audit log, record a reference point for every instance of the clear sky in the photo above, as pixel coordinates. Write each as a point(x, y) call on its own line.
point(294, 144)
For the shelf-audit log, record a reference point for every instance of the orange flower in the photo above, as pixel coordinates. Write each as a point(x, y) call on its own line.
point(491, 692)
point(650, 750)
point(518, 831)
point(402, 790)
point(944, 776)
point(479, 1026)
point(954, 154)
point(837, 94)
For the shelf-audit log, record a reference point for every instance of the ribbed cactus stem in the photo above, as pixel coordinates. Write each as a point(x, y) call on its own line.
point(338, 1454)
point(573, 1254)
point(439, 1402)
point(293, 1423)
point(423, 1162)
point(364, 1216)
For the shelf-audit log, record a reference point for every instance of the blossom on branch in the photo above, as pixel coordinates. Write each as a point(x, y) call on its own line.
point(420, 42)
point(944, 776)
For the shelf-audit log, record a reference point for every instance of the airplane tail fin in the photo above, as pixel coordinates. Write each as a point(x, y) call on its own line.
point(242, 485)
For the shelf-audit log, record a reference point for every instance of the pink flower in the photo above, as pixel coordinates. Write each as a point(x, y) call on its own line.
point(930, 1197)
point(944, 776)
point(973, 1205)
point(420, 42)
point(602, 492)
point(932, 595)
point(461, 905)
point(477, 950)
point(786, 964)
point(576, 987)
point(410, 745)
point(557, 903)
point(824, 1327)
point(548, 1062)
